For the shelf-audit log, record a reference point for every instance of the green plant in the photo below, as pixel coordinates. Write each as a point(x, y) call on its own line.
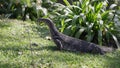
point(88, 20)
point(22, 9)
point(117, 20)
point(10, 8)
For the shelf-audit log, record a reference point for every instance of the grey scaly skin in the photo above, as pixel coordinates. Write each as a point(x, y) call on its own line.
point(65, 42)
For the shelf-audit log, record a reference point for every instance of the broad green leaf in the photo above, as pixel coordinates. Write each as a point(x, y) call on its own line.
point(68, 20)
point(98, 7)
point(113, 6)
point(105, 15)
point(74, 20)
point(81, 30)
point(90, 32)
point(76, 7)
point(63, 25)
point(66, 2)
point(90, 37)
point(116, 41)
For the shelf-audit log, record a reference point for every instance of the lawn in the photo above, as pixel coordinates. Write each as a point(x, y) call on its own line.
point(16, 51)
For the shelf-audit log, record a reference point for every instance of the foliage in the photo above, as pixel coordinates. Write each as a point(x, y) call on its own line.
point(22, 9)
point(117, 21)
point(15, 50)
point(10, 8)
point(88, 20)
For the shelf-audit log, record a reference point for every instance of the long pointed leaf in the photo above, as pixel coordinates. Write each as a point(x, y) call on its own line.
point(66, 2)
point(116, 41)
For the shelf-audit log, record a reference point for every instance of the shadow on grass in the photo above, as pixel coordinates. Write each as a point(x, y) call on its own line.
point(112, 60)
point(22, 47)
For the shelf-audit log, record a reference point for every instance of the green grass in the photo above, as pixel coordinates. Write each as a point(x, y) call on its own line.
point(15, 51)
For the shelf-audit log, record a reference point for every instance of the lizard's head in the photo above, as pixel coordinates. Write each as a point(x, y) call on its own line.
point(40, 20)
point(46, 20)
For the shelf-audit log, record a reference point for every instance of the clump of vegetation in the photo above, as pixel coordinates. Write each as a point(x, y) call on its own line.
point(88, 20)
point(22, 9)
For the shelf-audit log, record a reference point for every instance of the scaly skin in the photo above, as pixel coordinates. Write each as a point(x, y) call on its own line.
point(69, 43)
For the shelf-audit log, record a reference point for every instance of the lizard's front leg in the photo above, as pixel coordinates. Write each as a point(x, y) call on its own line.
point(59, 44)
